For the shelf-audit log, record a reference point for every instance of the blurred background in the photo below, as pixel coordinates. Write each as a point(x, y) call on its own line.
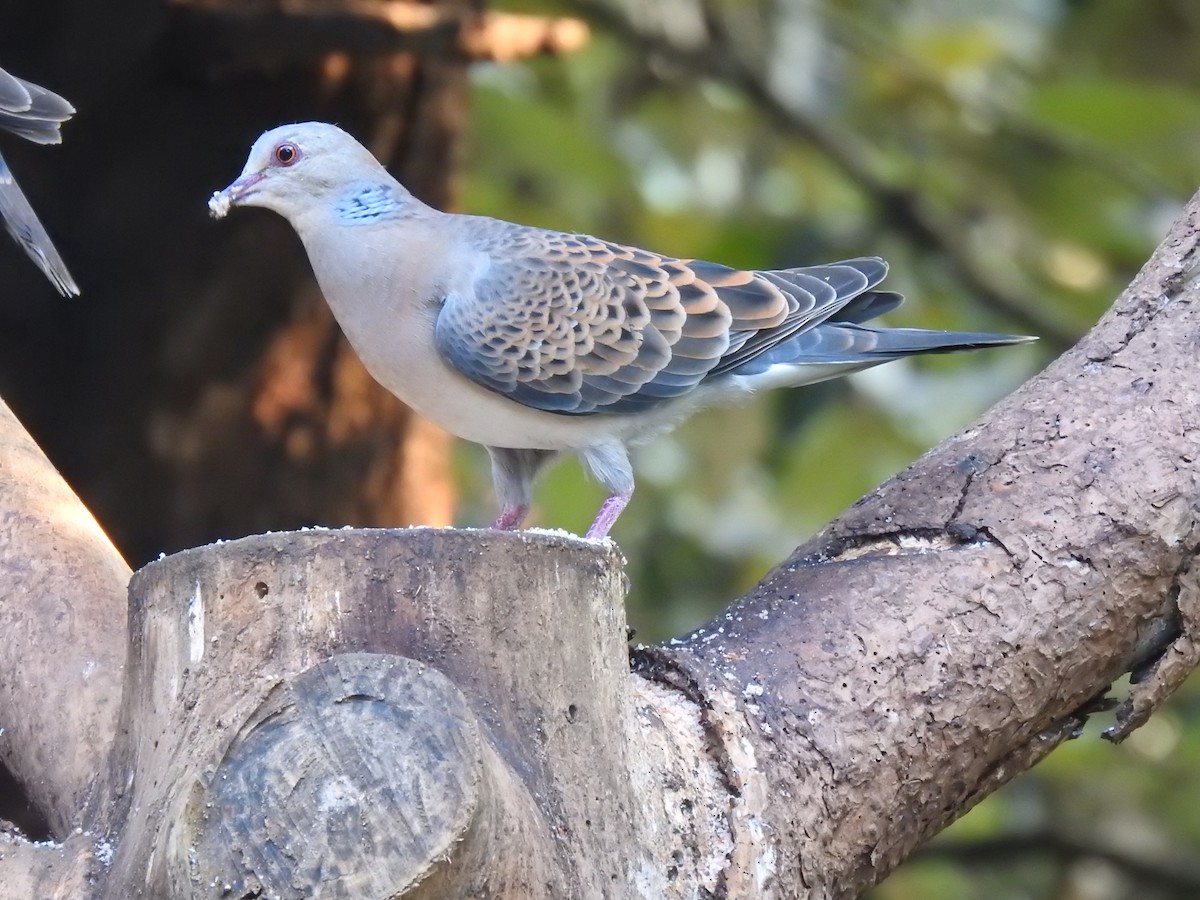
point(1015, 160)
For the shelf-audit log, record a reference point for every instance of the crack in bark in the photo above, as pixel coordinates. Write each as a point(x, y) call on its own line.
point(664, 670)
point(954, 534)
point(969, 473)
point(913, 541)
point(898, 542)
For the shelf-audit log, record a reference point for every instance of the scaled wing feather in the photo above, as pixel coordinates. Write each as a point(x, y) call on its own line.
point(572, 324)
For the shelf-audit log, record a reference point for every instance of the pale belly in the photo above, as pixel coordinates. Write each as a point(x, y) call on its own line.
point(391, 327)
point(472, 412)
point(407, 363)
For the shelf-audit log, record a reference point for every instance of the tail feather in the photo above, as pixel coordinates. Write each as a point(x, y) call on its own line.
point(893, 343)
point(848, 347)
point(866, 306)
point(39, 131)
point(838, 343)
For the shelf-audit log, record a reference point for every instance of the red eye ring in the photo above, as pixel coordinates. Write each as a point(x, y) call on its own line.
point(286, 154)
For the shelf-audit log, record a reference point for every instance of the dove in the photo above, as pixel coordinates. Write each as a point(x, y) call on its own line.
point(35, 114)
point(539, 344)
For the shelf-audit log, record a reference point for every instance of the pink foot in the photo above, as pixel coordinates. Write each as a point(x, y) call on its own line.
point(609, 510)
point(510, 518)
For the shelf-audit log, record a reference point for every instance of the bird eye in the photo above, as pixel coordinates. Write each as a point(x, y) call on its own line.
point(286, 154)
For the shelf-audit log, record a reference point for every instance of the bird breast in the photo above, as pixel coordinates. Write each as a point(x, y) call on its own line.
point(385, 286)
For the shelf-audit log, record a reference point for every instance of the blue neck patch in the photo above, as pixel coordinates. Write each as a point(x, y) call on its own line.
point(371, 203)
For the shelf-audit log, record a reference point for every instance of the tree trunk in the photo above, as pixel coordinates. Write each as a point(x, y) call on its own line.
point(62, 614)
point(433, 713)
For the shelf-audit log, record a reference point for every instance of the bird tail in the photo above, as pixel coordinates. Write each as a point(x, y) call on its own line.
point(839, 348)
point(893, 343)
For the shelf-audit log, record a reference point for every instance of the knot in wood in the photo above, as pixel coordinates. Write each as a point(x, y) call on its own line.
point(352, 780)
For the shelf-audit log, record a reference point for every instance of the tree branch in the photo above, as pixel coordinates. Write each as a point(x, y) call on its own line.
point(62, 614)
point(951, 628)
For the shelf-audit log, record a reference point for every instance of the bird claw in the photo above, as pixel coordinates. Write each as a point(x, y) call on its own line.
point(510, 518)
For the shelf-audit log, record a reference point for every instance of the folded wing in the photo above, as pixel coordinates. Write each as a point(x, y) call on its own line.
point(575, 325)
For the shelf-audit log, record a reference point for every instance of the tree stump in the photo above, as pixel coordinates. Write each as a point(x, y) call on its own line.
point(379, 713)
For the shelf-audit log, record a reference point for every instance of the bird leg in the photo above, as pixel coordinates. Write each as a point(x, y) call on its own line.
point(609, 510)
point(513, 472)
point(608, 463)
point(511, 517)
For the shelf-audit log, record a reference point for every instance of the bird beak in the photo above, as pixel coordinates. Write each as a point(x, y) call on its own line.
point(237, 193)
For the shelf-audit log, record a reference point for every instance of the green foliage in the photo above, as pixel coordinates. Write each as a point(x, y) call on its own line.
point(1042, 147)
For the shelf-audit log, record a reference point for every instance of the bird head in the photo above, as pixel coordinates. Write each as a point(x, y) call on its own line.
point(292, 166)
